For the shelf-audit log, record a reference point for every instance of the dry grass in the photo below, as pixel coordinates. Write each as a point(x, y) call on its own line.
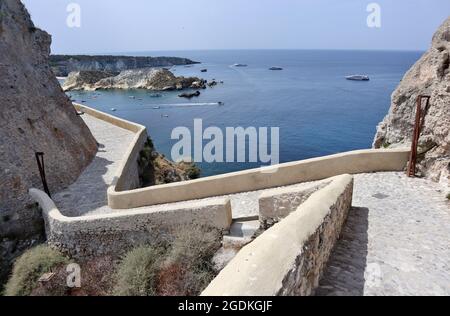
point(182, 269)
point(29, 267)
point(187, 268)
point(136, 274)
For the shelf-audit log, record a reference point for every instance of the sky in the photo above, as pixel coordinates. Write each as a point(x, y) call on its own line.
point(109, 26)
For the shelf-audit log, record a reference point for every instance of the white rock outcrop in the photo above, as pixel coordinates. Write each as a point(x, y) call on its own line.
point(156, 79)
point(429, 76)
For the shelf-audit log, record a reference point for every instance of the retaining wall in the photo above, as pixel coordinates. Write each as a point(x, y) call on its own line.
point(115, 233)
point(360, 161)
point(278, 203)
point(289, 258)
point(127, 177)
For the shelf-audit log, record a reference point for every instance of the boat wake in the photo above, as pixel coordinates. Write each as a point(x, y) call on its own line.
point(173, 105)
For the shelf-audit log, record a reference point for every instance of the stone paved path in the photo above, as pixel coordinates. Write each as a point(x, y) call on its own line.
point(396, 240)
point(88, 193)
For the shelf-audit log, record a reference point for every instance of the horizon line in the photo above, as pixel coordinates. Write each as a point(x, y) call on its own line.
point(242, 49)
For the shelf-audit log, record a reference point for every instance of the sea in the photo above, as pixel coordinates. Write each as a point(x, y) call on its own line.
point(318, 112)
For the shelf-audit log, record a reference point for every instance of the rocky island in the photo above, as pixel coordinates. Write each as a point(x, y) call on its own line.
point(62, 65)
point(155, 79)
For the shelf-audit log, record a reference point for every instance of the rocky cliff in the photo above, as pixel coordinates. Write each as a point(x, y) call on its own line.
point(62, 65)
point(35, 116)
point(157, 79)
point(429, 76)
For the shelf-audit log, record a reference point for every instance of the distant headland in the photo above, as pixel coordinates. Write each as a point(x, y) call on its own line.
point(62, 65)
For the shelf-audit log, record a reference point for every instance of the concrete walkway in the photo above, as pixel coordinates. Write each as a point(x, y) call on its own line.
point(88, 193)
point(396, 240)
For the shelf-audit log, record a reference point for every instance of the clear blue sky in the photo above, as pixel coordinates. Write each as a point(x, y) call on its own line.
point(144, 25)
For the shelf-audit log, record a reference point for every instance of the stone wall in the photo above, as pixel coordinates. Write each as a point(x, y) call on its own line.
point(278, 203)
point(115, 233)
point(290, 257)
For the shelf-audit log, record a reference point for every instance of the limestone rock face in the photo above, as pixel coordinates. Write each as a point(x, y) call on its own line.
point(84, 80)
point(429, 76)
point(35, 116)
point(147, 78)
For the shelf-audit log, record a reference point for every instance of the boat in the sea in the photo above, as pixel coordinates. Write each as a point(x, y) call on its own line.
point(204, 70)
point(239, 65)
point(156, 107)
point(275, 68)
point(358, 78)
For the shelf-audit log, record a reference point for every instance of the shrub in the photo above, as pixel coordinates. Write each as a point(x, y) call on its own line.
point(448, 196)
point(137, 272)
point(188, 267)
point(183, 268)
point(30, 266)
point(96, 280)
point(192, 171)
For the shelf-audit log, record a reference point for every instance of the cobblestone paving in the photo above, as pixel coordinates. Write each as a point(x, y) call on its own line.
point(88, 193)
point(396, 240)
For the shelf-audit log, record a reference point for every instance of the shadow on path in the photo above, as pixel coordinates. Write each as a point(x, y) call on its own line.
point(344, 274)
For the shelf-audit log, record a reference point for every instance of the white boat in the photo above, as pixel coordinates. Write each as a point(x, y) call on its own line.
point(358, 78)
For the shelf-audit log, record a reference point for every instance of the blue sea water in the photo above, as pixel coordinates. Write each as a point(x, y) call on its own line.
point(317, 110)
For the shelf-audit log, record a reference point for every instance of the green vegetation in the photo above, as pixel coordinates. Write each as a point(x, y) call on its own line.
point(386, 145)
point(146, 164)
point(29, 267)
point(187, 268)
point(448, 196)
point(192, 171)
point(137, 273)
point(183, 268)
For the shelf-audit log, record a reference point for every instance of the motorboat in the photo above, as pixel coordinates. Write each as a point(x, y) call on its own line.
point(358, 78)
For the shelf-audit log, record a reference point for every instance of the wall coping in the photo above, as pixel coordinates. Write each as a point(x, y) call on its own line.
point(353, 162)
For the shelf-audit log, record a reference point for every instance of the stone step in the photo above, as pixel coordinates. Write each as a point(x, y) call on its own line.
point(241, 233)
point(244, 229)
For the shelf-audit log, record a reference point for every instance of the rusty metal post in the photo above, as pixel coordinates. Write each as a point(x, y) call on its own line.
point(419, 121)
point(41, 166)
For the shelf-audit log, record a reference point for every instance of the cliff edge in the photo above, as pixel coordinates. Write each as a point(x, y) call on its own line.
point(429, 76)
point(35, 116)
